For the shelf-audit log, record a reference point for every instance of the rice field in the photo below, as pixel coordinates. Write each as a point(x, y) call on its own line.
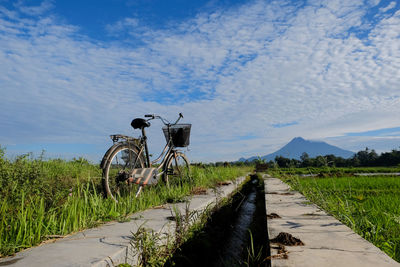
point(338, 171)
point(368, 205)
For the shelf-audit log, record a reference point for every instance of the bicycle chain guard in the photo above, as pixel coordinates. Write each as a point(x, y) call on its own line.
point(144, 176)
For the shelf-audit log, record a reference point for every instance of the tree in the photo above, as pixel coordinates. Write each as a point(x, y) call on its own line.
point(305, 160)
point(282, 161)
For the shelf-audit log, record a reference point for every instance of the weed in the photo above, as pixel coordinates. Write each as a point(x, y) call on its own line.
point(146, 244)
point(254, 257)
point(154, 248)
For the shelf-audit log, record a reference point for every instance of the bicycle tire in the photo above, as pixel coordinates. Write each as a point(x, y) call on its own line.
point(119, 163)
point(177, 169)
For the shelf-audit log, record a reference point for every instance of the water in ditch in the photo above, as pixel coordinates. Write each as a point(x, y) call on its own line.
point(225, 238)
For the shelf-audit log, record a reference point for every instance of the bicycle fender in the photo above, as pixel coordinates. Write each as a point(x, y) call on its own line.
point(106, 155)
point(169, 157)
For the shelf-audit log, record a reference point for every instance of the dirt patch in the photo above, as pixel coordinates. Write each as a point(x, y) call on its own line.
point(224, 183)
point(160, 207)
point(273, 216)
point(282, 253)
point(199, 191)
point(287, 240)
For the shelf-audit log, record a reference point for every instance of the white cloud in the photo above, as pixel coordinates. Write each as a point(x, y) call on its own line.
point(44, 6)
point(116, 28)
point(390, 6)
point(250, 67)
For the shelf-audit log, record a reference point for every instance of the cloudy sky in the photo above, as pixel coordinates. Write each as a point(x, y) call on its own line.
point(248, 75)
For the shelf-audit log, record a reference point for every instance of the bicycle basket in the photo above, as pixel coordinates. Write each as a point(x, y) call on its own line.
point(180, 134)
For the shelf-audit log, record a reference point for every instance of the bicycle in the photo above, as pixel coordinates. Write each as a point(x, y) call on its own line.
point(127, 161)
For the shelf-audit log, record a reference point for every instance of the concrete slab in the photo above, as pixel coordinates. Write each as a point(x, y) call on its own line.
point(327, 242)
point(109, 244)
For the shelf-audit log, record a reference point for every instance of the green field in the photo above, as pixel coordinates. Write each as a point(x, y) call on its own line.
point(368, 205)
point(45, 199)
point(329, 171)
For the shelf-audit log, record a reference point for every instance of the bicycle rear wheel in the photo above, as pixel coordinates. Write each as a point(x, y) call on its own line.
point(118, 168)
point(177, 170)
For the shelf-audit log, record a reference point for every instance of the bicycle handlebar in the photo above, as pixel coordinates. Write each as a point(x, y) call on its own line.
point(166, 122)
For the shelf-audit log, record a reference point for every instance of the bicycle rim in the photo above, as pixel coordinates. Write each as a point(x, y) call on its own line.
point(177, 170)
point(121, 163)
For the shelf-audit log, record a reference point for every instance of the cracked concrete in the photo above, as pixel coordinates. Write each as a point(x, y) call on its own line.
point(109, 244)
point(327, 242)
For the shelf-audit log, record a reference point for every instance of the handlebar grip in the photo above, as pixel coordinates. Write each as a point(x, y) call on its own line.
point(180, 115)
point(149, 116)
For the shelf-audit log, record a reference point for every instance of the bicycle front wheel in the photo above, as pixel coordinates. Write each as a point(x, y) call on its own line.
point(177, 169)
point(118, 168)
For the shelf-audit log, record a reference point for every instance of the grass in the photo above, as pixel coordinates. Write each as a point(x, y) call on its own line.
point(368, 205)
point(335, 170)
point(42, 199)
point(153, 248)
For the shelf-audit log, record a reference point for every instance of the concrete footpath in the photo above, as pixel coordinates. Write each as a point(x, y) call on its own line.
point(109, 244)
point(327, 242)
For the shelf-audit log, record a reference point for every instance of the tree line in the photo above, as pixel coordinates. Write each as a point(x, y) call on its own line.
point(363, 158)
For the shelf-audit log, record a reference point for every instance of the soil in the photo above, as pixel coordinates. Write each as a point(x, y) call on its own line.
point(224, 183)
point(199, 191)
point(273, 216)
point(287, 240)
point(282, 252)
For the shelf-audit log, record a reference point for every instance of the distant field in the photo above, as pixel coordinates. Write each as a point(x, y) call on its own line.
point(335, 170)
point(368, 205)
point(44, 199)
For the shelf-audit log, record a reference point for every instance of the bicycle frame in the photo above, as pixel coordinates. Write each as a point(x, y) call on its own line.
point(164, 156)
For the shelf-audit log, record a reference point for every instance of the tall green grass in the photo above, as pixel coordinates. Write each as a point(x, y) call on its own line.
point(42, 199)
point(368, 205)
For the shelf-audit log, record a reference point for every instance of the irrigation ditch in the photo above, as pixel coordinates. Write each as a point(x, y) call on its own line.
point(235, 233)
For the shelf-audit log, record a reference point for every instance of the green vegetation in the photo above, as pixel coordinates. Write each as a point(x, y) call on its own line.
point(330, 171)
point(363, 158)
point(155, 248)
point(42, 199)
point(368, 205)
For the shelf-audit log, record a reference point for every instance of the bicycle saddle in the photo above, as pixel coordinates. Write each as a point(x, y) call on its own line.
point(140, 123)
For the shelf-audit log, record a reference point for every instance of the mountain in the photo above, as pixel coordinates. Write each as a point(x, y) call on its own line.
point(295, 148)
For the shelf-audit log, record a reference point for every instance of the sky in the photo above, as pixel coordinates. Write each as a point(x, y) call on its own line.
point(248, 75)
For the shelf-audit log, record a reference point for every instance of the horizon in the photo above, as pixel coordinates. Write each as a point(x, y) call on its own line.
point(248, 75)
point(42, 153)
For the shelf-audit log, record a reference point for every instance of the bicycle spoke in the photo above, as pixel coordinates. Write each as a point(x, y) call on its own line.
point(177, 170)
point(118, 170)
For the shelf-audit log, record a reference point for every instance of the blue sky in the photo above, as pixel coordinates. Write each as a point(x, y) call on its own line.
point(249, 75)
